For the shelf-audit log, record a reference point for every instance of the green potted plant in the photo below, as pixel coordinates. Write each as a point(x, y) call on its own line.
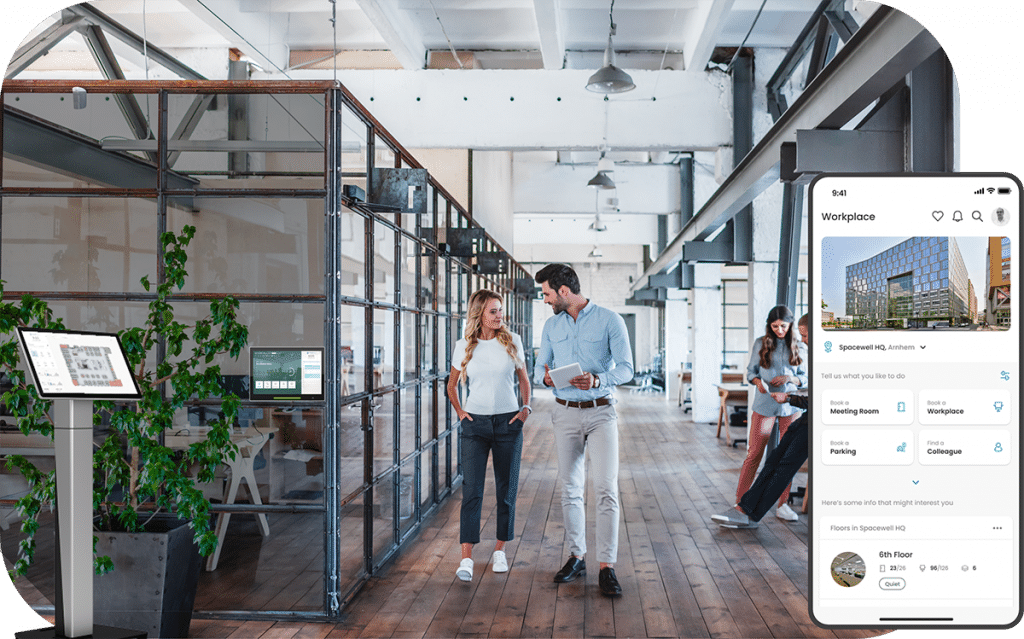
point(138, 481)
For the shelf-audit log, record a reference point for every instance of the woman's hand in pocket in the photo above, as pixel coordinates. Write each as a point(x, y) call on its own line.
point(521, 416)
point(463, 415)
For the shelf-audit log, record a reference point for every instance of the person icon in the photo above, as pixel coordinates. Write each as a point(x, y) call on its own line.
point(1000, 216)
point(999, 447)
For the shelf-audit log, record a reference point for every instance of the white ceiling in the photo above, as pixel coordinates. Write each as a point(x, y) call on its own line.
point(564, 33)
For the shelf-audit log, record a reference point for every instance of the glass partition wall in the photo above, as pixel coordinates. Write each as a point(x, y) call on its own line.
point(261, 171)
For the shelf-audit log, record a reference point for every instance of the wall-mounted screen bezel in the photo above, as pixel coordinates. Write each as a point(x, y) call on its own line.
point(314, 391)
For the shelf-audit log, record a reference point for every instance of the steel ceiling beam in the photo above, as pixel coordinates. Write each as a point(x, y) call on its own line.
point(886, 48)
point(127, 102)
point(122, 33)
point(42, 143)
point(42, 43)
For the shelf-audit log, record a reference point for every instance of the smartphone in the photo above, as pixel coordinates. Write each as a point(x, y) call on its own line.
point(915, 378)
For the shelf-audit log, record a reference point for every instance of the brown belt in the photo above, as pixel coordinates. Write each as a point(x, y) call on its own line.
point(600, 401)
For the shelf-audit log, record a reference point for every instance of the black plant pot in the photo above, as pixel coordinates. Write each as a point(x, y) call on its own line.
point(153, 585)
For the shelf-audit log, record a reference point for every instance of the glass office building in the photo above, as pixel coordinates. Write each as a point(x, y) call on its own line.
point(917, 283)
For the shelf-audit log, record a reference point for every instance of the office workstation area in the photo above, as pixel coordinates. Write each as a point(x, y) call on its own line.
point(352, 179)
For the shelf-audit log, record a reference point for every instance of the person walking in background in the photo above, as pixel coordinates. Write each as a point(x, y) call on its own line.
point(776, 366)
point(780, 467)
point(595, 338)
point(489, 360)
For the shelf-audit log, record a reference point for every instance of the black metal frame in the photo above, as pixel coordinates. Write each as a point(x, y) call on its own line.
point(447, 313)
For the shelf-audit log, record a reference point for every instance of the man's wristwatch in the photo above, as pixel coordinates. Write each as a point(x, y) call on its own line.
point(597, 381)
point(527, 408)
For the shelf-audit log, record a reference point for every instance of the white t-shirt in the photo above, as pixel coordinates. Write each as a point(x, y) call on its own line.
point(492, 376)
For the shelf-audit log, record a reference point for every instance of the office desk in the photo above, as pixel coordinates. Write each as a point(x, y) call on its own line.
point(249, 445)
point(729, 394)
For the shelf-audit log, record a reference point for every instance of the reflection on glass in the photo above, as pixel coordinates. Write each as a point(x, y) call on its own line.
point(407, 496)
point(78, 244)
point(353, 261)
point(384, 351)
point(271, 246)
point(383, 263)
point(407, 426)
point(384, 433)
point(353, 350)
point(409, 347)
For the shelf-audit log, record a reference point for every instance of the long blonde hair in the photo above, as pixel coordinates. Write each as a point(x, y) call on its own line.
point(474, 327)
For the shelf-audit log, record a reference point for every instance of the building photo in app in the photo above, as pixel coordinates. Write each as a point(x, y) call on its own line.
point(917, 283)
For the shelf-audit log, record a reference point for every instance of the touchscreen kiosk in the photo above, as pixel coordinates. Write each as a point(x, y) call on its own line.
point(286, 374)
point(74, 368)
point(78, 365)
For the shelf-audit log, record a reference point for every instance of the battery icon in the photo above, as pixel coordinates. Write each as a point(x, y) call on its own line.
point(1003, 190)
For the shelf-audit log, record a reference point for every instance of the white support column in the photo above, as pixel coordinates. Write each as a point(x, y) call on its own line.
point(72, 440)
point(677, 351)
point(707, 341)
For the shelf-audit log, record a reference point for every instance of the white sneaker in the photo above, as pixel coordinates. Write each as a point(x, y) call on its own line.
point(465, 571)
point(786, 513)
point(499, 563)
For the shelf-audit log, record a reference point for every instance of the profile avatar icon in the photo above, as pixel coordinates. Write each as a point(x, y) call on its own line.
point(999, 447)
point(1000, 216)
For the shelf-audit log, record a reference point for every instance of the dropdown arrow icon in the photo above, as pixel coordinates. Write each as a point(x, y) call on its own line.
point(915, 481)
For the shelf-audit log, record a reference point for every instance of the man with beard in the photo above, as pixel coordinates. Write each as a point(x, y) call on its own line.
point(596, 339)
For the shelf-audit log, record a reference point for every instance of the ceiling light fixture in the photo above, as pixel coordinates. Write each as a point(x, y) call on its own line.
point(601, 181)
point(596, 252)
point(610, 78)
point(597, 224)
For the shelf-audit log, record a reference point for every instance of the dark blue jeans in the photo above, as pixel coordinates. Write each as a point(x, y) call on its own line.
point(490, 434)
point(778, 471)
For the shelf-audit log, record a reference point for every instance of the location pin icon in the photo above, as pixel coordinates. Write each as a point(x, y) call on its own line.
point(921, 567)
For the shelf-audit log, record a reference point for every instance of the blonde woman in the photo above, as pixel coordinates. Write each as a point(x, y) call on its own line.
point(488, 361)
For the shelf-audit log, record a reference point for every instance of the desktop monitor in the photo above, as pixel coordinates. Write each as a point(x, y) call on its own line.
point(78, 364)
point(286, 374)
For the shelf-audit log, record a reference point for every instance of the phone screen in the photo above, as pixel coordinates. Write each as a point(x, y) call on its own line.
point(915, 380)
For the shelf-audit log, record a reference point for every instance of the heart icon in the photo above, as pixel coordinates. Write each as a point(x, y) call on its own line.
point(937, 215)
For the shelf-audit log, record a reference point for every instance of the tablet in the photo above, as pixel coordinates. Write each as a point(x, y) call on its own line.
point(562, 377)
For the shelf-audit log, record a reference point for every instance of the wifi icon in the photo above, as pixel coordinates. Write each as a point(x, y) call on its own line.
point(991, 190)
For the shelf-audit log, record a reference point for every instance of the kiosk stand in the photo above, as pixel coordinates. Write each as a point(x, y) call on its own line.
point(57, 360)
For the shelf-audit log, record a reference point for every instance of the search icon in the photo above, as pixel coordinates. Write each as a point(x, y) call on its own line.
point(977, 215)
point(958, 216)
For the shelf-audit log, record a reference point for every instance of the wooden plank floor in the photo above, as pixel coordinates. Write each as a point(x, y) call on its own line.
point(683, 576)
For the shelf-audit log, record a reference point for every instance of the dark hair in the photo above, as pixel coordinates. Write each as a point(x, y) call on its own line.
point(557, 276)
point(768, 341)
point(805, 320)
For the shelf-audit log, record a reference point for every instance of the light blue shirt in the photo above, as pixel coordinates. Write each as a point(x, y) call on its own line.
point(597, 340)
point(763, 402)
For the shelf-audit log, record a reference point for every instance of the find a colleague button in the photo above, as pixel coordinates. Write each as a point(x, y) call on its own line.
point(892, 583)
